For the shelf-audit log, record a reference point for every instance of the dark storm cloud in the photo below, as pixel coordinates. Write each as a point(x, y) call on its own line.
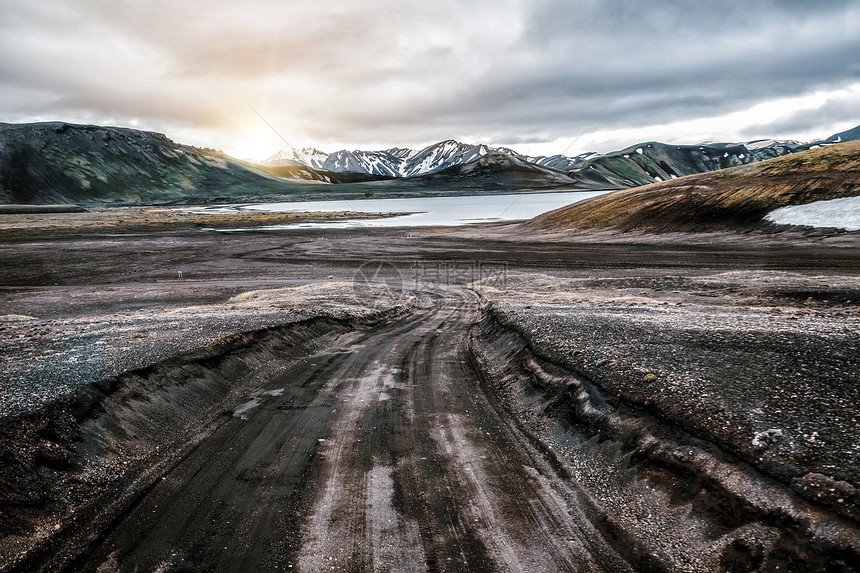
point(402, 72)
point(636, 63)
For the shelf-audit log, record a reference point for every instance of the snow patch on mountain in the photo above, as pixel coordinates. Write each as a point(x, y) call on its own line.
point(559, 162)
point(766, 143)
point(837, 213)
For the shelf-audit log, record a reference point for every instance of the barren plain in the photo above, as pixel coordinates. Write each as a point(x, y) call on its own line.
point(484, 399)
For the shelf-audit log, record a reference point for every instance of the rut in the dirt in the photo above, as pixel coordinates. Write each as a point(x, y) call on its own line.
point(438, 441)
point(665, 497)
point(376, 454)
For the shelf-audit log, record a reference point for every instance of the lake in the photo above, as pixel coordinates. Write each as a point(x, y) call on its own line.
point(432, 211)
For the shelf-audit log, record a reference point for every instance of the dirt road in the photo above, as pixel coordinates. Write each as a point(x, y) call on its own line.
point(382, 453)
point(523, 435)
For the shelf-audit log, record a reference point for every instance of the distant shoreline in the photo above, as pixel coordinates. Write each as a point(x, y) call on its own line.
point(37, 209)
point(34, 222)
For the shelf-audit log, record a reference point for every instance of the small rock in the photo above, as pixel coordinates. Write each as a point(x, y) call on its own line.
point(763, 440)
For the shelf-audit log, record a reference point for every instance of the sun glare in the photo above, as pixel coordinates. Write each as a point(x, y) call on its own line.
point(255, 144)
point(251, 149)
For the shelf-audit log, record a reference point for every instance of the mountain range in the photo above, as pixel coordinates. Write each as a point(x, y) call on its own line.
point(400, 162)
point(667, 160)
point(639, 164)
point(55, 162)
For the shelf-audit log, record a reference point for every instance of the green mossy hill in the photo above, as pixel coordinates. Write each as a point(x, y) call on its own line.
point(50, 163)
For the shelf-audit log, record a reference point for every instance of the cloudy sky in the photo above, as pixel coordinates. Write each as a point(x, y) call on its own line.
point(542, 76)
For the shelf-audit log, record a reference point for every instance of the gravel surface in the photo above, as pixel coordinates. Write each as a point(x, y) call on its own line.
point(765, 364)
point(43, 359)
point(694, 403)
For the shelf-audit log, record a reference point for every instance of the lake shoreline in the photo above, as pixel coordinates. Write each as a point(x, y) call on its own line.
point(142, 220)
point(441, 211)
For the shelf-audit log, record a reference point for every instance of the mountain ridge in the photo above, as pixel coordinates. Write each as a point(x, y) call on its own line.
point(688, 159)
point(404, 162)
point(733, 198)
point(58, 162)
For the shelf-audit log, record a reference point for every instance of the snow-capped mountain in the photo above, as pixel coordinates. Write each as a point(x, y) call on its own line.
point(621, 168)
point(400, 162)
point(307, 156)
point(40, 163)
point(559, 162)
point(770, 143)
point(395, 162)
point(441, 156)
point(653, 161)
point(386, 163)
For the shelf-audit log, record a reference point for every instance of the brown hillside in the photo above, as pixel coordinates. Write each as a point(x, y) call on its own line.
point(727, 199)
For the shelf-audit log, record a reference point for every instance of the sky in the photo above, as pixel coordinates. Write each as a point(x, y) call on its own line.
point(540, 76)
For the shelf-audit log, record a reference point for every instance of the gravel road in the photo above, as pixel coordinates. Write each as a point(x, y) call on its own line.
point(511, 406)
point(378, 453)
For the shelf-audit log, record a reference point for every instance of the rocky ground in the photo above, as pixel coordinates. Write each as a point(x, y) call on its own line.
point(62, 368)
point(58, 352)
point(696, 399)
point(730, 392)
point(752, 353)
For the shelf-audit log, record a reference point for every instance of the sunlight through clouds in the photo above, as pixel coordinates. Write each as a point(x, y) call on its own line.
point(380, 73)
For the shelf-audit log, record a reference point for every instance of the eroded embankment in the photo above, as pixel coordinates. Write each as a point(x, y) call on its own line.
point(668, 499)
point(69, 468)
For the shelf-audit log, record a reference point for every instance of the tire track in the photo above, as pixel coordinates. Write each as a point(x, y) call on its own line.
point(380, 454)
point(234, 502)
